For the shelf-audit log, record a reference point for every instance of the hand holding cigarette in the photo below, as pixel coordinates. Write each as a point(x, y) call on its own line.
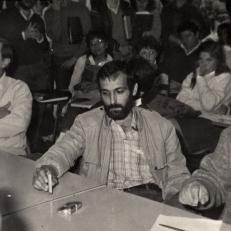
point(45, 178)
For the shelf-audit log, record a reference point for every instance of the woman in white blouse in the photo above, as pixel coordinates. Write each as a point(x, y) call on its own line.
point(205, 89)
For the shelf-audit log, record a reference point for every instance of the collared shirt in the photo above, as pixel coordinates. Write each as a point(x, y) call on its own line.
point(16, 96)
point(192, 50)
point(27, 18)
point(128, 166)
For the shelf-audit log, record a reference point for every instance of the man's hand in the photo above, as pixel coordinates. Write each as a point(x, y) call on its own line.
point(4, 111)
point(32, 32)
point(194, 194)
point(40, 178)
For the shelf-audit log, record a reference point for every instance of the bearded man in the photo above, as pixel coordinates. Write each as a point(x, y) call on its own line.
point(122, 146)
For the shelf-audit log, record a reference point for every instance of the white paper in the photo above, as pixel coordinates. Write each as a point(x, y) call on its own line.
point(186, 224)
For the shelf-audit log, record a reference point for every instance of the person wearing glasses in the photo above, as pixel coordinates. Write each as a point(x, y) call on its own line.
point(86, 67)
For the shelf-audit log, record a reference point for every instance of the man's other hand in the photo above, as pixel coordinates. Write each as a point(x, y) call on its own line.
point(194, 194)
point(40, 178)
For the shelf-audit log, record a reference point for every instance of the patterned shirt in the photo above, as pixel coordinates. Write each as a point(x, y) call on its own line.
point(128, 166)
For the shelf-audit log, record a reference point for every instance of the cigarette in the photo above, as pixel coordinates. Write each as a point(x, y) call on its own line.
point(50, 183)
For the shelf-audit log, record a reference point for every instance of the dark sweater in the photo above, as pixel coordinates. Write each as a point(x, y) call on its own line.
point(29, 51)
point(176, 64)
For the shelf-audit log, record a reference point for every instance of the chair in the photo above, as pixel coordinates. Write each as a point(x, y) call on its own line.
point(46, 98)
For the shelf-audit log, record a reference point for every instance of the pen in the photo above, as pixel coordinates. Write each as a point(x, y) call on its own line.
point(171, 227)
point(49, 182)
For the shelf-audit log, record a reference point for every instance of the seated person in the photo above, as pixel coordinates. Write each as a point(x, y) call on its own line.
point(86, 67)
point(150, 156)
point(204, 89)
point(15, 106)
point(210, 184)
point(148, 91)
point(149, 49)
point(178, 61)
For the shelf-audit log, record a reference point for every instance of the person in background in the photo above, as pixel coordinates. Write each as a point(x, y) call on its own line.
point(205, 88)
point(178, 61)
point(67, 23)
point(149, 95)
point(15, 106)
point(148, 9)
point(175, 13)
point(122, 146)
point(149, 49)
point(26, 32)
point(113, 17)
point(86, 67)
point(224, 37)
point(209, 186)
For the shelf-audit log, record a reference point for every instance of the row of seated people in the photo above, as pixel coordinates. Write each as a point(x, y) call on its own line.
point(59, 27)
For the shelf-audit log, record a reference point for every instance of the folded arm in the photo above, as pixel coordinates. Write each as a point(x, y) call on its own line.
point(18, 118)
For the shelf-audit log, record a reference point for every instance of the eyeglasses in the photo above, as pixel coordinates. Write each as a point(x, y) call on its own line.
point(96, 42)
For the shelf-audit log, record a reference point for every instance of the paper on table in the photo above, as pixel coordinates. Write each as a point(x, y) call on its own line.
point(187, 224)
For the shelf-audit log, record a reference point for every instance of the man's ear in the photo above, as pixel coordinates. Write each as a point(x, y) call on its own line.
point(135, 89)
point(5, 62)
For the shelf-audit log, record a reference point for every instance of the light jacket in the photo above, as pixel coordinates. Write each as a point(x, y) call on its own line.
point(90, 137)
point(215, 171)
point(13, 127)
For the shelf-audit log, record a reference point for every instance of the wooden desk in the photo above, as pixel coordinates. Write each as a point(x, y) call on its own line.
point(17, 192)
point(103, 210)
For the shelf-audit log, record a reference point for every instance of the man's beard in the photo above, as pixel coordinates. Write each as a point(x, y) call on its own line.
point(117, 111)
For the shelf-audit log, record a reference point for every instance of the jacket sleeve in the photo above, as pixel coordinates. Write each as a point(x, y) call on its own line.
point(215, 170)
point(20, 112)
point(63, 154)
point(185, 95)
point(211, 97)
point(78, 71)
point(177, 172)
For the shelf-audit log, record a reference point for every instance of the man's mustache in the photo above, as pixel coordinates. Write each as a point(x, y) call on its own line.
point(115, 106)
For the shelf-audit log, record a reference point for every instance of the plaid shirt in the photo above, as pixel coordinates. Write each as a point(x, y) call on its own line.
point(128, 166)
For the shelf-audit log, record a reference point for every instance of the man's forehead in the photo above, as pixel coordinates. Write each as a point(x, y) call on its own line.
point(117, 79)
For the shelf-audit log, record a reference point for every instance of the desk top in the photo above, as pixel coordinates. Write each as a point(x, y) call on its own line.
point(17, 192)
point(103, 209)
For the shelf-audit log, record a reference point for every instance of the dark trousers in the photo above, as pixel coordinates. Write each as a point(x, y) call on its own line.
point(149, 191)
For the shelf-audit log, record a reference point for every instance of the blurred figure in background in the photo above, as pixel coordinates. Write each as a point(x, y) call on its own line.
point(26, 32)
point(178, 61)
point(87, 66)
point(173, 14)
point(67, 23)
point(146, 19)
